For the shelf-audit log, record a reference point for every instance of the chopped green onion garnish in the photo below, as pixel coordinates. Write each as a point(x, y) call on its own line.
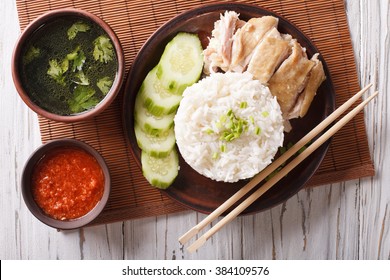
point(257, 130)
point(222, 118)
point(209, 131)
point(282, 150)
point(243, 105)
point(239, 128)
point(229, 125)
point(265, 114)
point(302, 149)
point(230, 137)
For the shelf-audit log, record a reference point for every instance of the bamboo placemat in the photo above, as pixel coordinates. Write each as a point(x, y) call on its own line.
point(324, 21)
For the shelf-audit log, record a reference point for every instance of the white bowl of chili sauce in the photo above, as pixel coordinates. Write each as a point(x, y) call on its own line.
point(66, 184)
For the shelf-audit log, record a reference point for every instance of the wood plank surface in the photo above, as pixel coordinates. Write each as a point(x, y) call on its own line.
point(348, 220)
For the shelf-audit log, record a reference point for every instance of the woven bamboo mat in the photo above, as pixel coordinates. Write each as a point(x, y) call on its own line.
point(324, 21)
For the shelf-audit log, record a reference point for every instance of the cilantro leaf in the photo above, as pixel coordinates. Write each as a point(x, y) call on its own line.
point(76, 28)
point(57, 70)
point(78, 57)
point(83, 99)
point(92, 102)
point(104, 84)
point(103, 50)
point(31, 54)
point(82, 79)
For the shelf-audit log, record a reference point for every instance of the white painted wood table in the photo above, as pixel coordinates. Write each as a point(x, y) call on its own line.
point(348, 220)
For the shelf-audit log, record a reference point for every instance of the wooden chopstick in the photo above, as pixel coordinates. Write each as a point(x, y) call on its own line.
point(272, 167)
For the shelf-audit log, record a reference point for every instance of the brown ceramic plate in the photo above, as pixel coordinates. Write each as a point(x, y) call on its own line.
point(190, 188)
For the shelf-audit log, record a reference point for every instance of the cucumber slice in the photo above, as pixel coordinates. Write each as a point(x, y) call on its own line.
point(160, 172)
point(150, 123)
point(181, 63)
point(157, 100)
point(157, 146)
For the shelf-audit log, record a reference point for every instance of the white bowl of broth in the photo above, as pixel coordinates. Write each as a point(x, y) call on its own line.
point(68, 65)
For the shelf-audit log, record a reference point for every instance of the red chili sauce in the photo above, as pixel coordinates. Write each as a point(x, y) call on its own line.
point(67, 183)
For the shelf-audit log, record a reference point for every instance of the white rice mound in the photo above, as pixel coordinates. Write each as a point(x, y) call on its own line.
point(202, 120)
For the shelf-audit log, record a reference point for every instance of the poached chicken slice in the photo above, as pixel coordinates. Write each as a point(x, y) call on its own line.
point(291, 78)
point(218, 52)
point(268, 55)
point(316, 77)
point(247, 38)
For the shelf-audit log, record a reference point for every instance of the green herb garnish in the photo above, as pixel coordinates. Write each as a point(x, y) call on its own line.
point(57, 70)
point(103, 50)
point(104, 84)
point(83, 99)
point(76, 28)
point(78, 57)
point(81, 79)
point(31, 54)
point(209, 131)
point(233, 126)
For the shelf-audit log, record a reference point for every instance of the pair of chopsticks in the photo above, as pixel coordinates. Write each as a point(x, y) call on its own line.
point(272, 167)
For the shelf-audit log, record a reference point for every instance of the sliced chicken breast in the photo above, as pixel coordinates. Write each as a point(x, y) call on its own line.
point(291, 78)
point(246, 39)
point(268, 55)
point(218, 52)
